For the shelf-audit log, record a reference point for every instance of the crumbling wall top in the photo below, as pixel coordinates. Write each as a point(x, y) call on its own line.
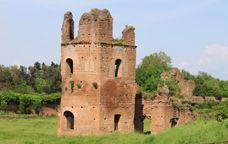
point(128, 28)
point(128, 35)
point(186, 86)
point(95, 26)
point(67, 28)
point(68, 15)
point(97, 14)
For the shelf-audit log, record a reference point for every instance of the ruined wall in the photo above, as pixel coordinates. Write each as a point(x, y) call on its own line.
point(161, 112)
point(67, 28)
point(160, 109)
point(205, 99)
point(95, 26)
point(98, 80)
point(128, 35)
point(186, 86)
point(79, 95)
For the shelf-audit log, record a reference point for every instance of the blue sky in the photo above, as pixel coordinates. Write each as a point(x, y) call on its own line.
point(193, 32)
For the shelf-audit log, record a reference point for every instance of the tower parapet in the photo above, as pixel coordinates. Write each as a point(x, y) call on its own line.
point(128, 35)
point(95, 26)
point(67, 28)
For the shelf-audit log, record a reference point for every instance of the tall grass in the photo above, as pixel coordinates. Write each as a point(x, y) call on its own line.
point(198, 132)
point(42, 130)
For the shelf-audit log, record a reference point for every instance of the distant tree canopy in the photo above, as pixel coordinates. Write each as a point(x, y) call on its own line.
point(42, 78)
point(148, 78)
point(159, 58)
point(39, 78)
point(149, 70)
point(206, 85)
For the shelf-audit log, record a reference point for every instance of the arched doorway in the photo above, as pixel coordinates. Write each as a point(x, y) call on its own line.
point(69, 119)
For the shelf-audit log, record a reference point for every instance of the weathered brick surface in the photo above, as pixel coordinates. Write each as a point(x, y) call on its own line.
point(128, 35)
point(160, 112)
point(95, 26)
point(98, 82)
point(92, 91)
point(186, 86)
point(67, 28)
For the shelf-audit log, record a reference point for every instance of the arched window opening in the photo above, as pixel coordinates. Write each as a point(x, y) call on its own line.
point(69, 66)
point(117, 68)
point(69, 120)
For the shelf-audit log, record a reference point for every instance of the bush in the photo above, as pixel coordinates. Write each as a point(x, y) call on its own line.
point(72, 86)
point(3, 105)
point(221, 116)
point(79, 85)
point(25, 105)
point(27, 102)
point(95, 85)
point(211, 110)
point(207, 85)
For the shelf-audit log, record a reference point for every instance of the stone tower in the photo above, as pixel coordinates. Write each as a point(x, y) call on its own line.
point(98, 76)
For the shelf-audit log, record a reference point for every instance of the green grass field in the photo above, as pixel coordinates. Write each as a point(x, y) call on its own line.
point(42, 130)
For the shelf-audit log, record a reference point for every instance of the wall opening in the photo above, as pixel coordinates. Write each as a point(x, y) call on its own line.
point(146, 125)
point(173, 121)
point(69, 66)
point(138, 117)
point(116, 122)
point(69, 120)
point(118, 68)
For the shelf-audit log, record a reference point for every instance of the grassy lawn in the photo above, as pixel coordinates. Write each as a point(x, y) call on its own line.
point(198, 132)
point(42, 130)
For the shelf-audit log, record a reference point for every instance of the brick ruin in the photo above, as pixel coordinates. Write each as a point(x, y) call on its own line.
point(98, 76)
point(98, 81)
point(160, 109)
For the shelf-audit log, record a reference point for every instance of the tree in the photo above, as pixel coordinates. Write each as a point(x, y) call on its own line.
point(149, 70)
point(39, 78)
point(207, 85)
point(159, 58)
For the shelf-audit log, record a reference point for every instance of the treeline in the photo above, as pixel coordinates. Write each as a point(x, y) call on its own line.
point(206, 85)
point(42, 78)
point(148, 78)
point(39, 78)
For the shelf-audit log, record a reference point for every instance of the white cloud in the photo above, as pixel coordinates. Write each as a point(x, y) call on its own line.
point(212, 54)
point(212, 60)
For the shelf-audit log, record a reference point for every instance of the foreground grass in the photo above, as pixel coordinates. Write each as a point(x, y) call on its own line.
point(198, 132)
point(42, 130)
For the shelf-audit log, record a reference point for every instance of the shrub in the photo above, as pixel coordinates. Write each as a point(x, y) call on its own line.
point(221, 116)
point(27, 102)
point(72, 86)
point(79, 85)
point(3, 105)
point(95, 85)
point(25, 105)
